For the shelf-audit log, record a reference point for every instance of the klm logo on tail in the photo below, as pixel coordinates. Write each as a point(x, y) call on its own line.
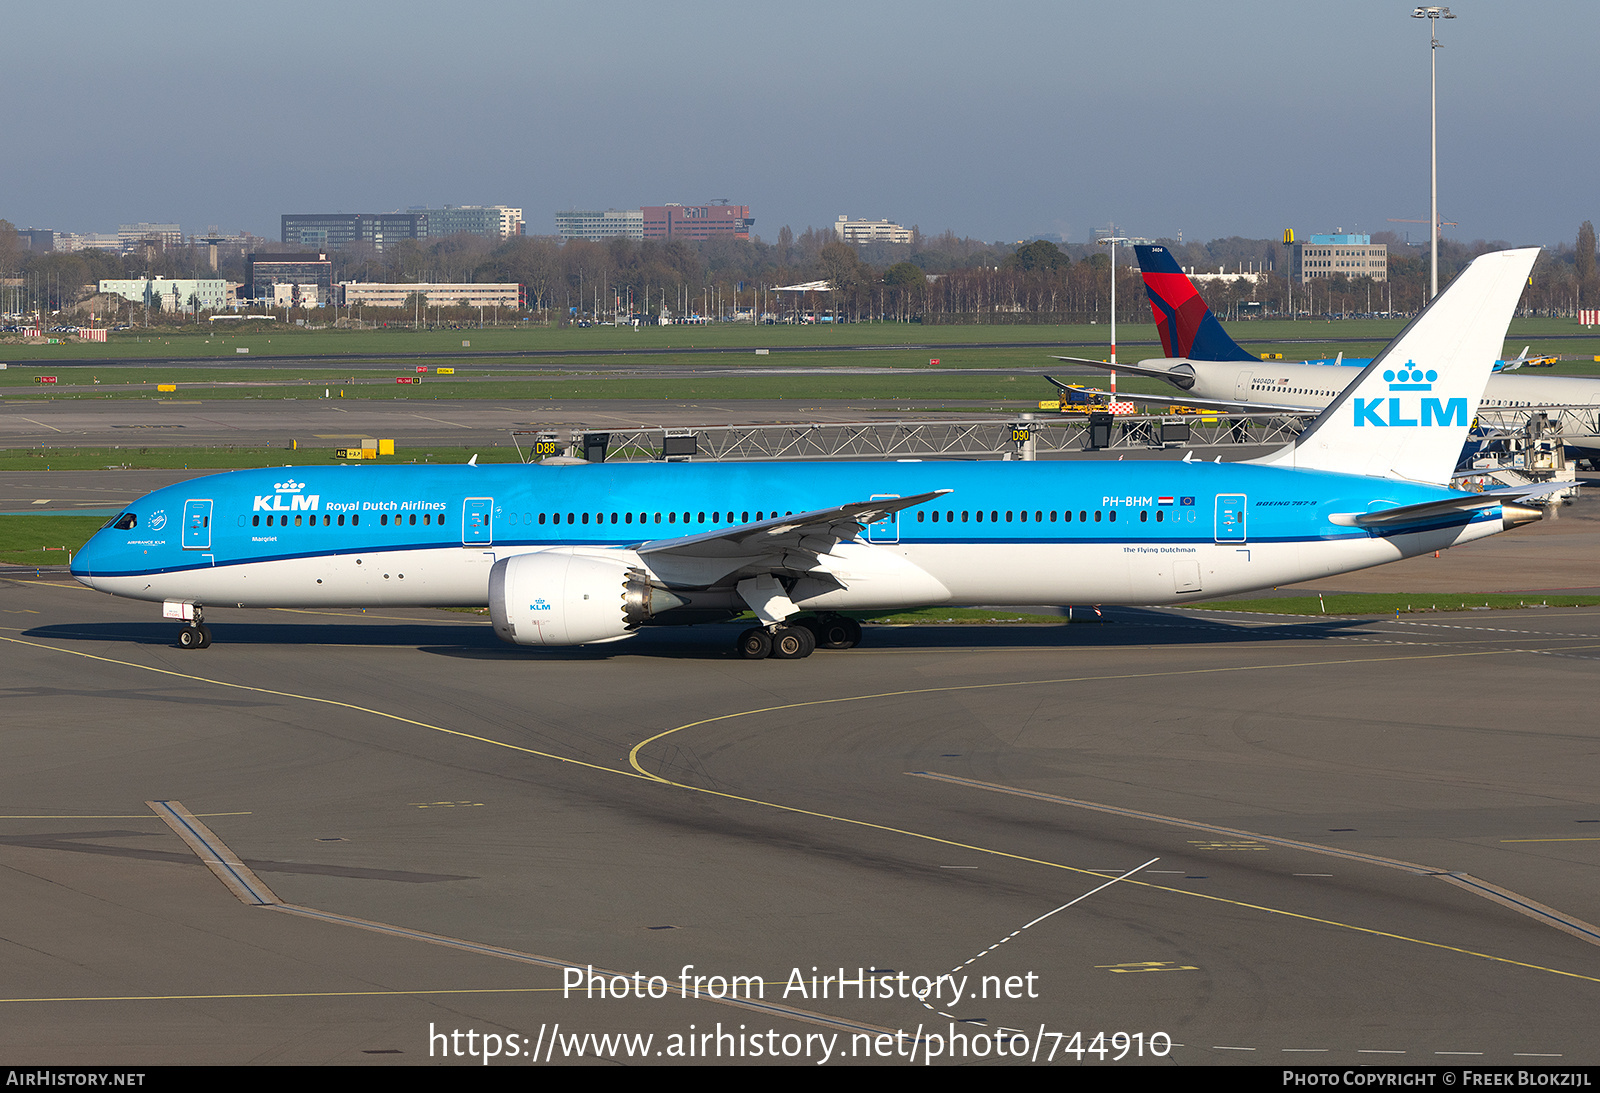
point(1390, 413)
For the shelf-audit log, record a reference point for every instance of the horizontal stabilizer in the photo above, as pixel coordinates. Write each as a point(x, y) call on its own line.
point(1430, 513)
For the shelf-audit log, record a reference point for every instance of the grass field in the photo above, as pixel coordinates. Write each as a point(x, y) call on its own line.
point(38, 540)
point(1307, 338)
point(780, 374)
point(1404, 603)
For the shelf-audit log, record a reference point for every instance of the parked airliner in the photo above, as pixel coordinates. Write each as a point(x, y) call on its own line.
point(572, 554)
point(1215, 373)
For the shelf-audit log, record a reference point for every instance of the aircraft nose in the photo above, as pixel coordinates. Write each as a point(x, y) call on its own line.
point(84, 561)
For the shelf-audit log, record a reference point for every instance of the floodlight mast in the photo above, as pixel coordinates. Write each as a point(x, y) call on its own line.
point(1433, 15)
point(1112, 240)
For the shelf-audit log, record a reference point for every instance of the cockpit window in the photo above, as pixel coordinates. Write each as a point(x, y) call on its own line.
point(124, 522)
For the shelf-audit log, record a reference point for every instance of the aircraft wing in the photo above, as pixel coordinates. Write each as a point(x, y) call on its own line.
point(1131, 369)
point(791, 543)
point(1182, 398)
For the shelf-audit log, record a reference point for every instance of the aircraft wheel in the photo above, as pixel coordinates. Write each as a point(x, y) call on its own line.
point(754, 644)
point(205, 636)
point(836, 632)
point(793, 643)
point(189, 638)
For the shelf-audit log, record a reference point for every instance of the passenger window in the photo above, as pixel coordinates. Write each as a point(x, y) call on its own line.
point(255, 521)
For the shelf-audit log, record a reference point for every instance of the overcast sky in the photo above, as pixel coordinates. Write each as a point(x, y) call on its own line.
point(999, 121)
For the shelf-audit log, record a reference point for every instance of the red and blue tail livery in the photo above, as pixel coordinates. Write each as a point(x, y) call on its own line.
point(1188, 329)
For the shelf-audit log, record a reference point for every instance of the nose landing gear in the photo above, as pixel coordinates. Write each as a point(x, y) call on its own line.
point(196, 635)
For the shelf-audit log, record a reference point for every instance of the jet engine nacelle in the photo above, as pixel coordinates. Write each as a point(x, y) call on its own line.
point(558, 597)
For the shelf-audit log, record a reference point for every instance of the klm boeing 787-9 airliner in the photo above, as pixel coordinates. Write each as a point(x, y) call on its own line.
point(571, 554)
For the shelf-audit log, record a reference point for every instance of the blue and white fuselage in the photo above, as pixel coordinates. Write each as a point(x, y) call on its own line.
point(1050, 532)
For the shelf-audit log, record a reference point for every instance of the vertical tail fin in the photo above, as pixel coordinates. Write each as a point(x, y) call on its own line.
point(1407, 414)
point(1187, 327)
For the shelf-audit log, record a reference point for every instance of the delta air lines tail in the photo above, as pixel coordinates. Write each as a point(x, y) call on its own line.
point(572, 554)
point(1185, 323)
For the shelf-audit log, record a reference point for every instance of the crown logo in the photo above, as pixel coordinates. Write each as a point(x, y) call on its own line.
point(1410, 378)
point(290, 486)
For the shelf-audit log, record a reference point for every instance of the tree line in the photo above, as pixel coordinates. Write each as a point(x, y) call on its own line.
point(931, 279)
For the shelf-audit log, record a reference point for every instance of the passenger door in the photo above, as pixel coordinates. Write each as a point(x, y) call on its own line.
point(1230, 517)
point(477, 521)
point(197, 525)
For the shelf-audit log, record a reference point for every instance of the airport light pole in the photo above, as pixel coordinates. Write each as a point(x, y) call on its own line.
point(1113, 240)
point(1433, 15)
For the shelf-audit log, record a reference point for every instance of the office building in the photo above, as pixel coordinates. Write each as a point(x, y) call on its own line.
point(697, 222)
point(368, 294)
point(135, 235)
point(593, 224)
point(264, 272)
point(1322, 256)
point(174, 296)
point(343, 231)
point(869, 231)
point(489, 221)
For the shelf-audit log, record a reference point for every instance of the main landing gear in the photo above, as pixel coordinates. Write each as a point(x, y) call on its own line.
point(196, 635)
point(797, 640)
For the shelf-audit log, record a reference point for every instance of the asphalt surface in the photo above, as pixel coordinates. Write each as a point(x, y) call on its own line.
point(1353, 841)
point(412, 423)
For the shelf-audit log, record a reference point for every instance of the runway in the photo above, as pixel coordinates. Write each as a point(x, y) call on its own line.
point(1339, 841)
